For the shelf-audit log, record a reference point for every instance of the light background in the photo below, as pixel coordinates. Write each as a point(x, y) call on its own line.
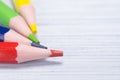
point(88, 31)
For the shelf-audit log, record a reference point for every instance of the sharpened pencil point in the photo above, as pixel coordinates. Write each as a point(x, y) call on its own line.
point(56, 53)
point(33, 38)
point(38, 45)
point(33, 28)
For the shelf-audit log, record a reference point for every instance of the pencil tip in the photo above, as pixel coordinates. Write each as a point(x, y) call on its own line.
point(33, 38)
point(56, 53)
point(33, 28)
point(39, 45)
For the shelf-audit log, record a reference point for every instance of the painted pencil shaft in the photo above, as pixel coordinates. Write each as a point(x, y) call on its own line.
point(9, 17)
point(19, 53)
point(26, 9)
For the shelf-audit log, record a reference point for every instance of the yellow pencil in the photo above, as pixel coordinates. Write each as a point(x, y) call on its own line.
point(26, 9)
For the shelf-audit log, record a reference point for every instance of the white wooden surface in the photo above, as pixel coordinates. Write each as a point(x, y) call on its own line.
point(88, 31)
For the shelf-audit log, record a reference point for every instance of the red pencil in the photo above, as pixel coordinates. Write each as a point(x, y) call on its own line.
point(11, 52)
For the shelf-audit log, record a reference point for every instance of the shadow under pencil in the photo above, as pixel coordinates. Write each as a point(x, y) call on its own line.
point(35, 63)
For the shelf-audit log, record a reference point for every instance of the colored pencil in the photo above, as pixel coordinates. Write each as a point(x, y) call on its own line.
point(27, 10)
point(19, 53)
point(9, 35)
